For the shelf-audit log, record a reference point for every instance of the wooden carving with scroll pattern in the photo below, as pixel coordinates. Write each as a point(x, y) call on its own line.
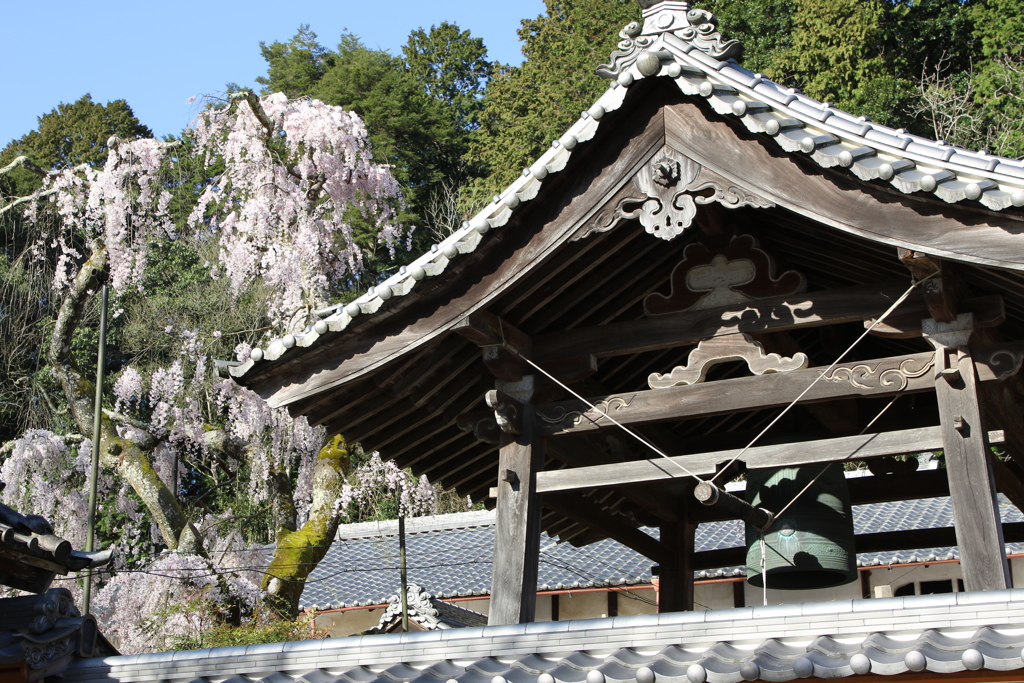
point(669, 188)
point(705, 278)
point(723, 349)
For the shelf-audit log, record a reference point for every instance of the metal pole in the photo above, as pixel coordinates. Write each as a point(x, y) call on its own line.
point(95, 469)
point(404, 576)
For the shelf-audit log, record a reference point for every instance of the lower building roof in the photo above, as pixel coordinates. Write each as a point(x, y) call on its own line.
point(450, 555)
point(931, 634)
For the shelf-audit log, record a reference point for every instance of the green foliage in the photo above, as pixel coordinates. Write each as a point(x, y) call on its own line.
point(295, 67)
point(69, 135)
point(255, 631)
point(837, 55)
point(451, 66)
point(999, 76)
point(765, 28)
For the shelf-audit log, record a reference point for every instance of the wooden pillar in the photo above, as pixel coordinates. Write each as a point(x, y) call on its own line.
point(675, 593)
point(979, 531)
point(517, 525)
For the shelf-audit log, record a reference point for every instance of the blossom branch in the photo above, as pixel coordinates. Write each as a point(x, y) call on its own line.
point(257, 109)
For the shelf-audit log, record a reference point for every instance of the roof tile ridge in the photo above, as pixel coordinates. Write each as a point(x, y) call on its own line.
point(871, 151)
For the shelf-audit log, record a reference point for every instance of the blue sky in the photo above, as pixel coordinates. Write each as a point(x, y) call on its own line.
point(157, 55)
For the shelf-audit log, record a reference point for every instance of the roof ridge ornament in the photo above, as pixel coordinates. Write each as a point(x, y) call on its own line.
point(696, 27)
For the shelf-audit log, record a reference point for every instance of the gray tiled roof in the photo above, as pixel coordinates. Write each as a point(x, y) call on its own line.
point(945, 633)
point(450, 555)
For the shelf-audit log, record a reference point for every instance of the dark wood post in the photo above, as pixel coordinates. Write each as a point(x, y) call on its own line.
point(675, 594)
point(517, 528)
point(979, 531)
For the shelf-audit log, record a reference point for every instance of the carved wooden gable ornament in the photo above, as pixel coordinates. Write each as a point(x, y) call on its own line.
point(668, 190)
point(707, 278)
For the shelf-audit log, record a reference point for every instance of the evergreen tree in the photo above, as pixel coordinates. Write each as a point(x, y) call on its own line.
point(764, 27)
point(295, 67)
point(837, 55)
point(999, 74)
point(68, 135)
point(451, 66)
point(529, 106)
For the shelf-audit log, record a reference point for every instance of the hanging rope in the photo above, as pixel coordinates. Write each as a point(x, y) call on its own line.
point(764, 571)
point(606, 415)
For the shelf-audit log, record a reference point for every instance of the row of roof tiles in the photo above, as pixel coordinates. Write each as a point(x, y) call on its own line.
point(935, 633)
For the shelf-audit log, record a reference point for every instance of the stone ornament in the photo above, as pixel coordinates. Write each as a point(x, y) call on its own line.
point(724, 349)
point(668, 192)
point(737, 274)
point(696, 27)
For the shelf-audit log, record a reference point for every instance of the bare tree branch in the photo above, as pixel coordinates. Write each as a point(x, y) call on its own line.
point(25, 163)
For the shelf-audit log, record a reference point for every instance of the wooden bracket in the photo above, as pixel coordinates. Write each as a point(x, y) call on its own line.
point(504, 348)
point(482, 423)
point(950, 340)
point(504, 345)
point(508, 412)
point(905, 323)
point(936, 281)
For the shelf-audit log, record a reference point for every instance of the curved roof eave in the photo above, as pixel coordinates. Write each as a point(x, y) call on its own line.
point(681, 44)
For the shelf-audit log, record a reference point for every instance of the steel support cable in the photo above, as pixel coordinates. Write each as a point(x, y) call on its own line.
point(661, 453)
point(878, 321)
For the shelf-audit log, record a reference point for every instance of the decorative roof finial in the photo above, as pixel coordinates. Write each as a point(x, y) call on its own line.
point(696, 27)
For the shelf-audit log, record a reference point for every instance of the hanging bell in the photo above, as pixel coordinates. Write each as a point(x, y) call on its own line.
point(811, 545)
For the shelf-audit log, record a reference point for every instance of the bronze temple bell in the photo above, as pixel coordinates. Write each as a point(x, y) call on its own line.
point(811, 545)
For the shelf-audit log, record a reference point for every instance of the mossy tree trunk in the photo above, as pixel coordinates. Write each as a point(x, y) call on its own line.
point(300, 550)
point(128, 458)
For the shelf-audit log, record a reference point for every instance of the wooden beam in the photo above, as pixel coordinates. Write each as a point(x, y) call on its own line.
point(778, 455)
point(503, 344)
point(971, 486)
point(657, 503)
point(879, 377)
point(851, 304)
point(905, 323)
point(875, 489)
point(589, 514)
point(517, 526)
